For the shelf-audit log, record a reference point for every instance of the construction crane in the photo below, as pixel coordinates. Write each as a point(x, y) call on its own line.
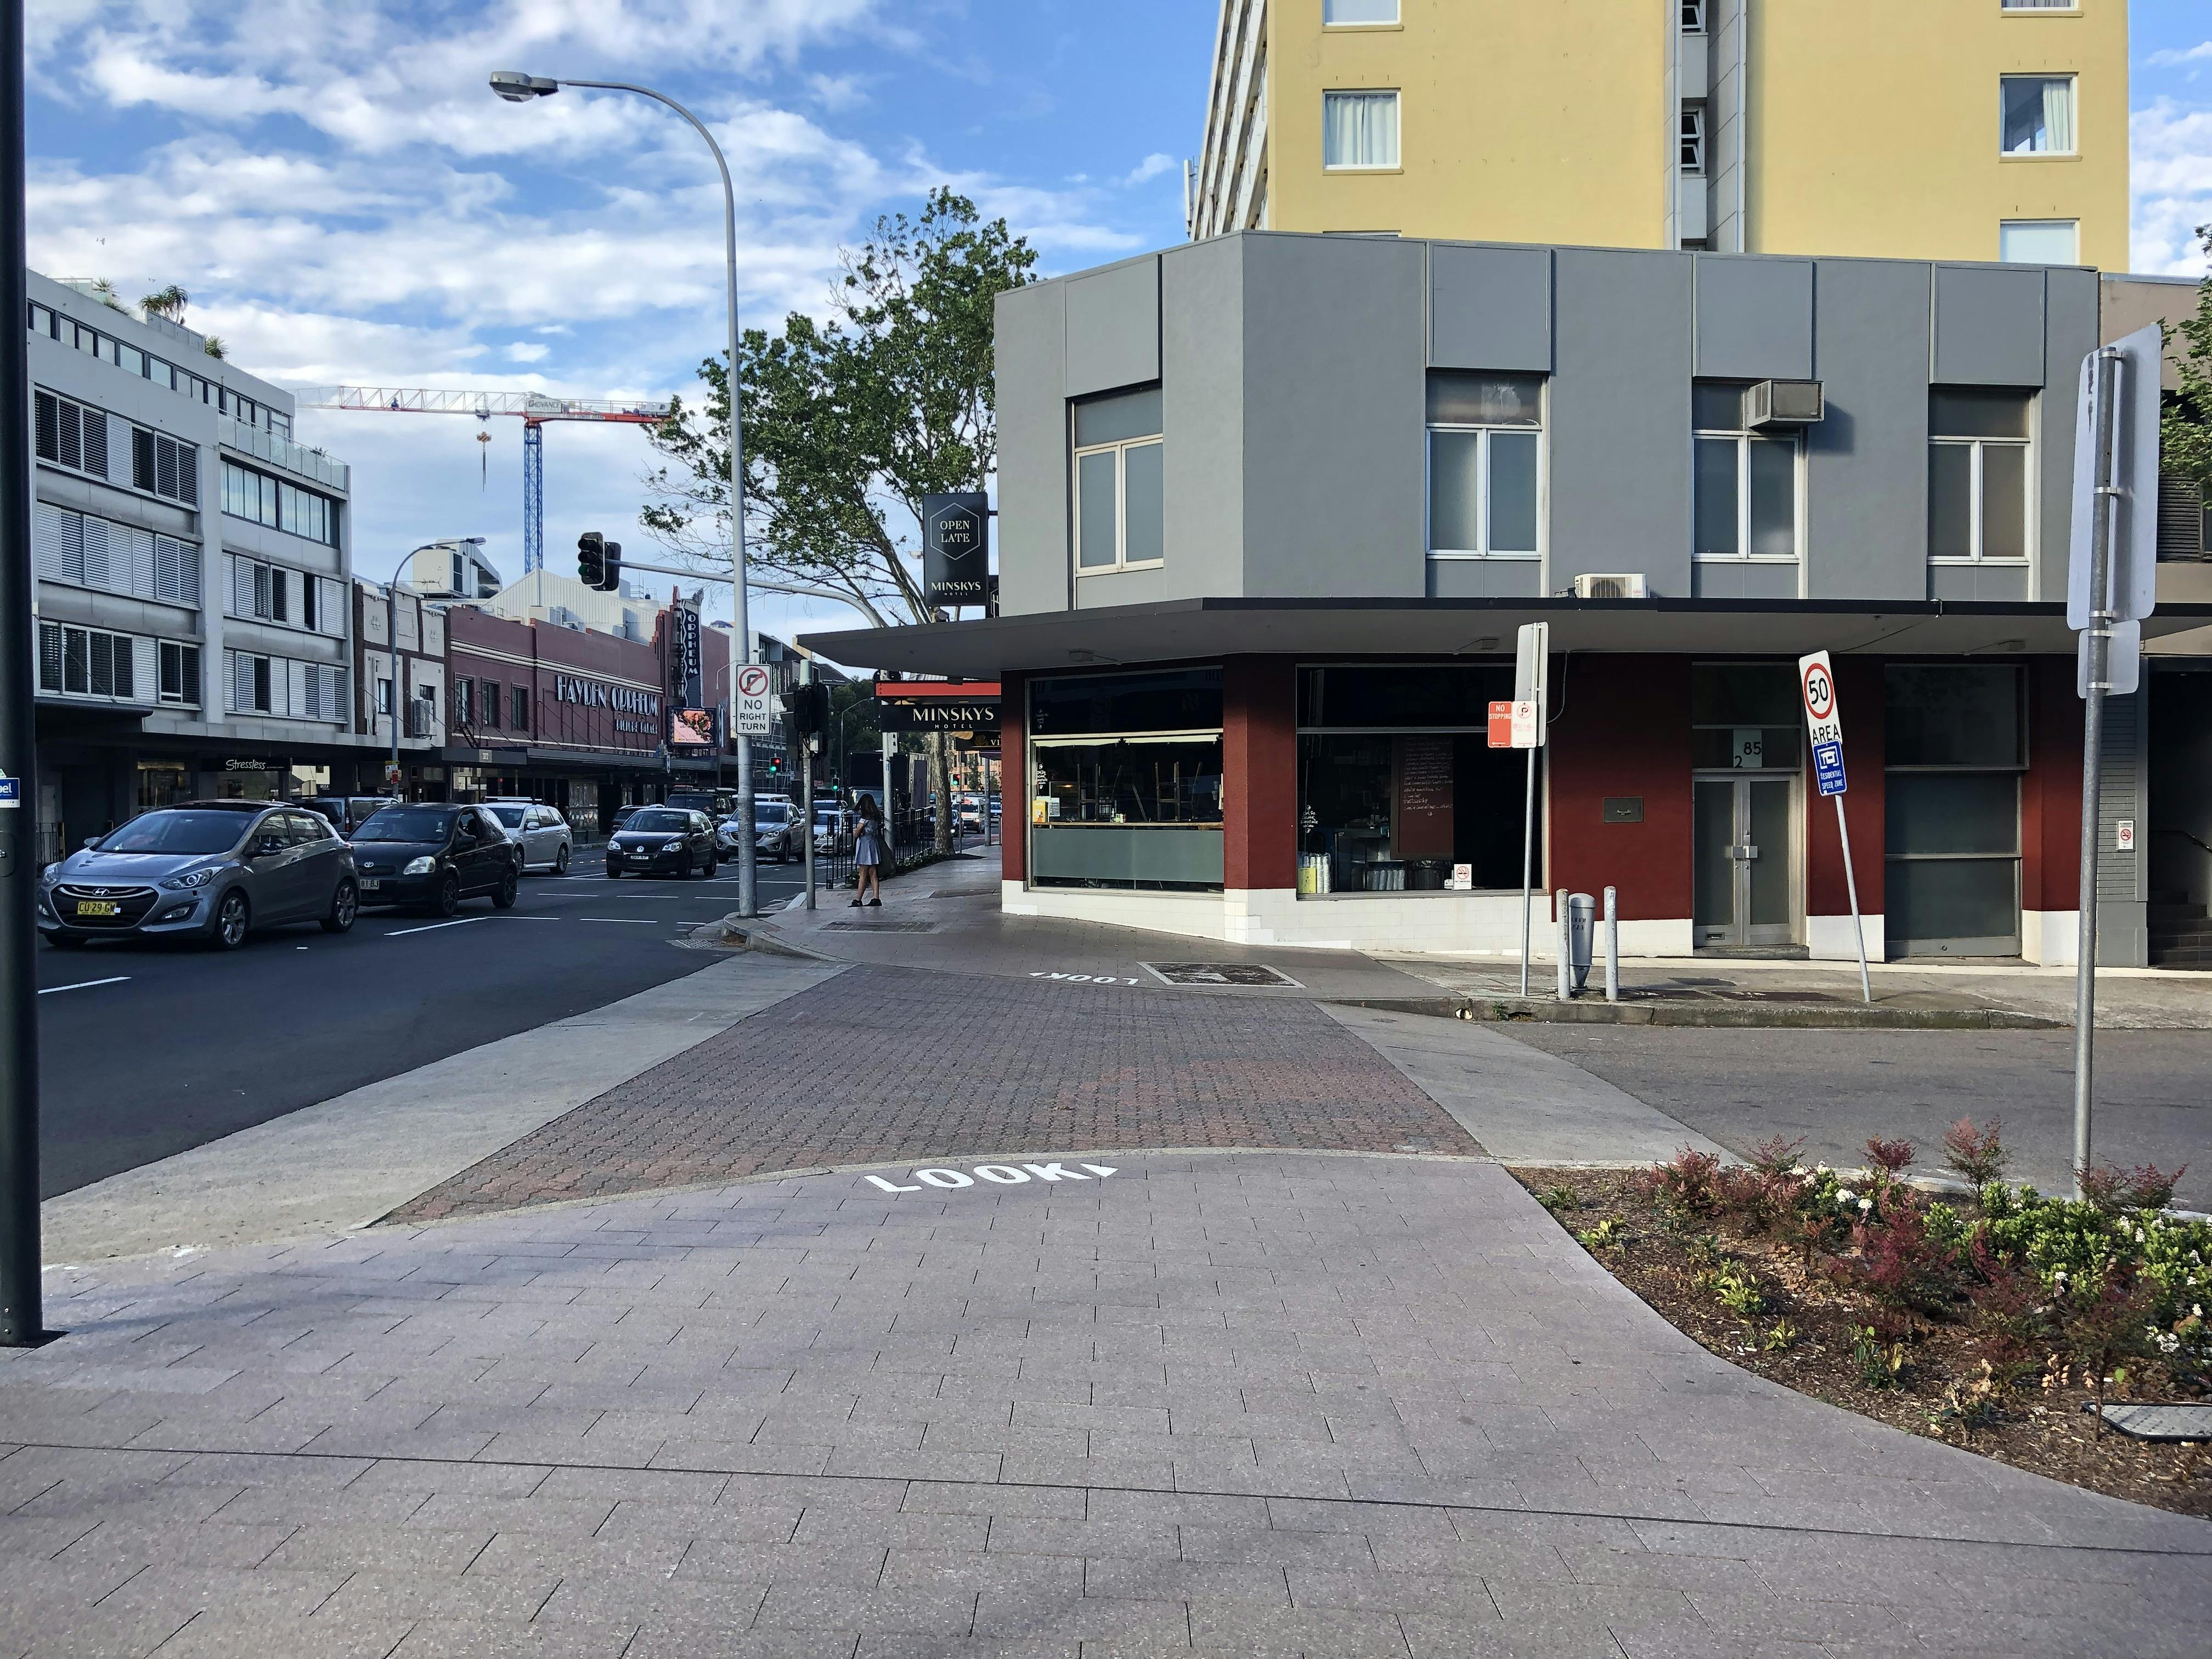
point(534, 408)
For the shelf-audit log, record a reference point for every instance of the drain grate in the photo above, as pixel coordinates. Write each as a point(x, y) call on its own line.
point(900, 924)
point(1221, 973)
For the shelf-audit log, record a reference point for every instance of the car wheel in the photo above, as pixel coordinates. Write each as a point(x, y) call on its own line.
point(561, 862)
point(345, 905)
point(503, 896)
point(449, 895)
point(684, 867)
point(712, 866)
point(234, 920)
point(613, 870)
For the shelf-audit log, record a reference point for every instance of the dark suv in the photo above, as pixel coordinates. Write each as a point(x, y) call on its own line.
point(435, 856)
point(212, 869)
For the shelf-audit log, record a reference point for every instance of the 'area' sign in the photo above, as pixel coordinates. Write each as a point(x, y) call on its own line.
point(1816, 682)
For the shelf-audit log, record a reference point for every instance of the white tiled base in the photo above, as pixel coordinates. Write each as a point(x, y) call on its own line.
point(1828, 938)
point(1439, 924)
point(2052, 937)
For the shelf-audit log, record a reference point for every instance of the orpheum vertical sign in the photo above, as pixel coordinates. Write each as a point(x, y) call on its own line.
point(956, 549)
point(690, 661)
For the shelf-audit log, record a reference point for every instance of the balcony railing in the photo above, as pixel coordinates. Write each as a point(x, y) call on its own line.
point(283, 452)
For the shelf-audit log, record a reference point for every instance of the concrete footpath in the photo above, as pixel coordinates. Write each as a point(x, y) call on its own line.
point(1237, 1403)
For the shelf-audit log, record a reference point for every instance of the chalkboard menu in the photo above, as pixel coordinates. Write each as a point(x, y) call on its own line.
point(1424, 817)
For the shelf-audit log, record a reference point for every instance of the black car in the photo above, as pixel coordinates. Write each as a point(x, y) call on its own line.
point(435, 855)
point(666, 841)
point(623, 815)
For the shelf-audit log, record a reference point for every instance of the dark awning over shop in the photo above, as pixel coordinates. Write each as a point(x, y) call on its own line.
point(1185, 630)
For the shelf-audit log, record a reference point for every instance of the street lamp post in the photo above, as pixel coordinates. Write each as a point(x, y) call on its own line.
point(392, 639)
point(518, 88)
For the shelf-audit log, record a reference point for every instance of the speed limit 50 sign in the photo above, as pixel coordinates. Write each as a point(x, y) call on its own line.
point(1824, 722)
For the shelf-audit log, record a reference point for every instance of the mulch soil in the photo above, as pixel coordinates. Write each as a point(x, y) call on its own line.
point(2040, 1426)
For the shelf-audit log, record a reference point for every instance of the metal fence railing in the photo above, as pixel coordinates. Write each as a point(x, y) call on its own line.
point(910, 840)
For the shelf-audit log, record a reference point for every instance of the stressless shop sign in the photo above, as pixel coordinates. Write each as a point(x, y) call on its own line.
point(593, 694)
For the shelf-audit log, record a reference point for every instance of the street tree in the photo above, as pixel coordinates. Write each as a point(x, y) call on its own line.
point(850, 419)
point(2185, 422)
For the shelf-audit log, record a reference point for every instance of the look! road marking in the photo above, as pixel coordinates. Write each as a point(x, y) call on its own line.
point(85, 985)
point(1086, 979)
point(998, 1175)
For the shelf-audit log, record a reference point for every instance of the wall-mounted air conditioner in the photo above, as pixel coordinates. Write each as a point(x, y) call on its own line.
point(1783, 403)
point(1621, 585)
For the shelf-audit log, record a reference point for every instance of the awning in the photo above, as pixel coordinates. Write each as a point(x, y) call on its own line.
point(1207, 629)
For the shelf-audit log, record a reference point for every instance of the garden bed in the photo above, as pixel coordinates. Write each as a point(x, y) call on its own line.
point(1980, 1321)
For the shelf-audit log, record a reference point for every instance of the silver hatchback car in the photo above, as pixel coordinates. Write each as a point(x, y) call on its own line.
point(212, 869)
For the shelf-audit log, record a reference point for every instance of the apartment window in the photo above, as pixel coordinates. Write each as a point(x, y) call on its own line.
point(71, 435)
point(1485, 441)
point(1339, 13)
point(260, 499)
point(1693, 138)
point(2040, 242)
point(491, 694)
point(520, 722)
point(1978, 476)
point(88, 662)
point(1120, 503)
point(162, 467)
point(464, 702)
point(180, 673)
point(384, 696)
point(1359, 129)
point(78, 548)
point(1693, 16)
point(2038, 114)
point(42, 319)
point(2039, 5)
point(1747, 482)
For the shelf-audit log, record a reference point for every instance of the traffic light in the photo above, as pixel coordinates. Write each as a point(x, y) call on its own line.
point(774, 765)
point(610, 582)
point(591, 559)
point(807, 709)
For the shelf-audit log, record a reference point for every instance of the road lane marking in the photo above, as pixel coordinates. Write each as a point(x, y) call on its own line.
point(635, 921)
point(432, 928)
point(84, 985)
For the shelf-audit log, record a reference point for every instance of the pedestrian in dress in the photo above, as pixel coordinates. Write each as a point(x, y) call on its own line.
point(868, 855)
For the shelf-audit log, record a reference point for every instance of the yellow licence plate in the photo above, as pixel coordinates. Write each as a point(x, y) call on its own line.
point(98, 908)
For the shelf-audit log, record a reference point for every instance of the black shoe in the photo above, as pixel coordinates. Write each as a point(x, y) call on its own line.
point(875, 904)
point(856, 904)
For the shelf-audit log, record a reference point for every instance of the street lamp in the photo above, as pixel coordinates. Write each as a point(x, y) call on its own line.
point(520, 89)
point(392, 639)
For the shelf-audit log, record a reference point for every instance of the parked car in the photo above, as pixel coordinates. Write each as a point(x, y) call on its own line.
point(213, 870)
point(543, 834)
point(715, 803)
point(434, 855)
point(623, 815)
point(662, 841)
point(347, 813)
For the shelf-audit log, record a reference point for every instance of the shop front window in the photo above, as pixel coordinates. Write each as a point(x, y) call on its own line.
point(1125, 781)
point(1399, 789)
point(1955, 736)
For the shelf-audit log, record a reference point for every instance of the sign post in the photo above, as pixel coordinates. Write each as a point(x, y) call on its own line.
point(2110, 586)
point(1520, 725)
point(1824, 721)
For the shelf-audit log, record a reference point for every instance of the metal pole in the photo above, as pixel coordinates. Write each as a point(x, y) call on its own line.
point(1851, 883)
point(22, 1321)
point(891, 816)
point(1563, 908)
point(806, 782)
point(392, 639)
point(1528, 867)
point(741, 647)
point(1611, 949)
point(2105, 394)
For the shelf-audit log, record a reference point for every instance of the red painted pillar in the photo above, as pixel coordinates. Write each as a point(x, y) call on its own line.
point(2050, 792)
point(1622, 731)
point(1259, 772)
point(1013, 777)
point(1860, 700)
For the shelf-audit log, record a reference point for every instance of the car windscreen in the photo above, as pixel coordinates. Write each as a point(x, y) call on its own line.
point(771, 811)
point(509, 815)
point(418, 823)
point(179, 834)
point(663, 822)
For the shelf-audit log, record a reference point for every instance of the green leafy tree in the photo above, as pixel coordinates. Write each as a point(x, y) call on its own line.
point(849, 420)
point(2185, 423)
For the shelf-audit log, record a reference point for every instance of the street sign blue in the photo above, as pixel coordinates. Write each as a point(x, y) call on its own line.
point(1828, 767)
point(12, 792)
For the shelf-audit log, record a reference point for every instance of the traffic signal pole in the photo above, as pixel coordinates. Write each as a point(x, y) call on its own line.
point(22, 1322)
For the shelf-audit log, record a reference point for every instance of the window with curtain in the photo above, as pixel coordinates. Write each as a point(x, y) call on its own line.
point(1335, 13)
point(1359, 129)
point(1121, 503)
point(1486, 435)
point(2038, 114)
point(1978, 476)
point(2040, 242)
point(1746, 481)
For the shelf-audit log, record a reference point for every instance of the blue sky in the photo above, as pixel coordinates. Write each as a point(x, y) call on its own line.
point(347, 202)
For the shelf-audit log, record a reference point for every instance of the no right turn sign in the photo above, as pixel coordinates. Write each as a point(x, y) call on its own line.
point(756, 710)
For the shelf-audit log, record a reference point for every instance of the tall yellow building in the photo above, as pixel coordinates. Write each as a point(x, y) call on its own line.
point(1919, 129)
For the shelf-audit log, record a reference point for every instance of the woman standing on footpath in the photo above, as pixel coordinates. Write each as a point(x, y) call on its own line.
point(868, 855)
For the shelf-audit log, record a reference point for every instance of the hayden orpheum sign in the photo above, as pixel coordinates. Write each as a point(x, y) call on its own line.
point(597, 694)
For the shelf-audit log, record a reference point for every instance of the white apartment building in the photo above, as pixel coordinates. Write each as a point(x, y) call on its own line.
point(194, 613)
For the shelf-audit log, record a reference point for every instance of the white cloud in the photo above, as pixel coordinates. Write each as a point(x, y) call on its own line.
point(2172, 55)
point(522, 353)
point(2171, 147)
point(1151, 168)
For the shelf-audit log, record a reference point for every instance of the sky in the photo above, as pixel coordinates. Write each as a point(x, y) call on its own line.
point(347, 202)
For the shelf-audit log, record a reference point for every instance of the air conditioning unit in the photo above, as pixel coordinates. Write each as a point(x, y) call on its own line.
point(1783, 403)
point(1622, 585)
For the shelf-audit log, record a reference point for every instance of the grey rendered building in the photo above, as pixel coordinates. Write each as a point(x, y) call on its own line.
point(194, 597)
point(1272, 508)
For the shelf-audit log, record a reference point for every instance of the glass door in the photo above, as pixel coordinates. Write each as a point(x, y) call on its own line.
point(1744, 885)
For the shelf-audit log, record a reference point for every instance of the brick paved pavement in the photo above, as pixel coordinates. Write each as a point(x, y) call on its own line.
point(886, 1063)
point(1254, 1404)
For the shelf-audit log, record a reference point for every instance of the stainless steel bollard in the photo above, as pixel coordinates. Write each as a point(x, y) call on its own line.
point(1611, 949)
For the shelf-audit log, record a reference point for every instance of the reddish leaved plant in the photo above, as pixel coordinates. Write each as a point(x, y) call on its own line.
point(1978, 1155)
point(1892, 1158)
point(2116, 1191)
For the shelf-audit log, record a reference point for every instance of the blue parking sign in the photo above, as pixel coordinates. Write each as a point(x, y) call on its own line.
point(1828, 767)
point(11, 791)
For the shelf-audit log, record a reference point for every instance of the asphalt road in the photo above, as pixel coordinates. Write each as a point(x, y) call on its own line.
point(1834, 1088)
point(150, 1049)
